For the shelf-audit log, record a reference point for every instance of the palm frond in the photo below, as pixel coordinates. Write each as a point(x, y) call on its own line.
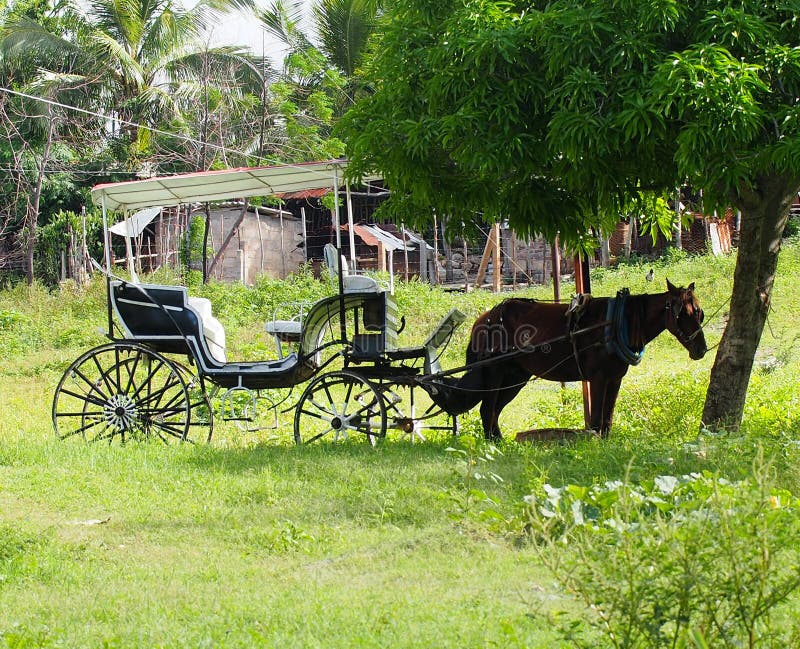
point(169, 32)
point(282, 20)
point(344, 28)
point(118, 61)
point(27, 40)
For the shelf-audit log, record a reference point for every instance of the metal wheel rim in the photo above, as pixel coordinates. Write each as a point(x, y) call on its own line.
point(340, 406)
point(123, 392)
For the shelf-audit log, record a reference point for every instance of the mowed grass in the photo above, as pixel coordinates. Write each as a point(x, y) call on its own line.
point(255, 542)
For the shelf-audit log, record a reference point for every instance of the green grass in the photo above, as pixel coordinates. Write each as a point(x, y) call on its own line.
point(249, 542)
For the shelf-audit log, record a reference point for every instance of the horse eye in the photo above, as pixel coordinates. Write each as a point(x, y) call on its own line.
point(701, 315)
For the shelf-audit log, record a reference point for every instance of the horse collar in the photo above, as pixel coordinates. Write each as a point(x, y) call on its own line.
point(616, 330)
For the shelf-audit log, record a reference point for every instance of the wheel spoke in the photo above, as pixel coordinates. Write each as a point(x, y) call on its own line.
point(132, 374)
point(103, 375)
point(82, 429)
point(93, 385)
point(147, 381)
point(87, 398)
point(101, 435)
point(318, 435)
point(172, 431)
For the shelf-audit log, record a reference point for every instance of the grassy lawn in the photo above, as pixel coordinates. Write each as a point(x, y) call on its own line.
point(251, 541)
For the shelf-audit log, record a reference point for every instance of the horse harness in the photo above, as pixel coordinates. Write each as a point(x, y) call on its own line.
point(616, 335)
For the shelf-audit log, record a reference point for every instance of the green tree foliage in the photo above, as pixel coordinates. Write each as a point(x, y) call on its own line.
point(127, 58)
point(559, 114)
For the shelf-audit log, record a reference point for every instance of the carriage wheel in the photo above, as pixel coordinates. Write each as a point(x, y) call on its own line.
point(124, 391)
point(340, 405)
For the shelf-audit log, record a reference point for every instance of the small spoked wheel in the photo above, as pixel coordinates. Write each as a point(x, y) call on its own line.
point(340, 406)
point(124, 391)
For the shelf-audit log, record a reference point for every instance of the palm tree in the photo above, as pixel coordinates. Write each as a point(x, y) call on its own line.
point(127, 56)
point(344, 29)
point(342, 33)
point(122, 59)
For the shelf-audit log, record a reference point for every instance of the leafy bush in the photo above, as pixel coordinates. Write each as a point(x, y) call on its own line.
point(679, 561)
point(55, 237)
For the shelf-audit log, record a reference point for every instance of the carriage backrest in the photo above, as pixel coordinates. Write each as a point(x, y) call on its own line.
point(164, 318)
point(378, 313)
point(351, 283)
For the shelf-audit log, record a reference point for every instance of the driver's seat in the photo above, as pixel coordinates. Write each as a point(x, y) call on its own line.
point(351, 283)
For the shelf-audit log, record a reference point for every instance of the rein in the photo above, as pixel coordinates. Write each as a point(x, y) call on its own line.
point(513, 353)
point(433, 379)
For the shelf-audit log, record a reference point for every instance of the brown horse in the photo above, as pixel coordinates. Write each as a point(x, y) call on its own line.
point(593, 339)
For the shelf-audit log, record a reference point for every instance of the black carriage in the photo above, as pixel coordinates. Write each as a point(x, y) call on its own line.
point(134, 387)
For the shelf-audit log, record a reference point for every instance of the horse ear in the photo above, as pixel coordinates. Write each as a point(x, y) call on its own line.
point(671, 288)
point(691, 286)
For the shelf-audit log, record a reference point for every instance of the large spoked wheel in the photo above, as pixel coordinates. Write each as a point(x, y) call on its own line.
point(124, 391)
point(340, 406)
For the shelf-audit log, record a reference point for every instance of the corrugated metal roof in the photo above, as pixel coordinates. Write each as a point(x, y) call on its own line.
point(372, 235)
point(306, 193)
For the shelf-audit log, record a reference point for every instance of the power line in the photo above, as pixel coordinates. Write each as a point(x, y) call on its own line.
point(185, 138)
point(76, 171)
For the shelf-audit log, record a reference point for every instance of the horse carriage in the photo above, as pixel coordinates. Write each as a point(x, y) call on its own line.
point(358, 381)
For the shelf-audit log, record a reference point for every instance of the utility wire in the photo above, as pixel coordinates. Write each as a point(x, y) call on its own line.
point(185, 138)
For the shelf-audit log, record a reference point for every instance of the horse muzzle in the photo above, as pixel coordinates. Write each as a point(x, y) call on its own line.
point(698, 351)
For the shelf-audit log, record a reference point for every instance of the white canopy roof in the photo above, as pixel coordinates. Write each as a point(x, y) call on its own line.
point(134, 225)
point(218, 185)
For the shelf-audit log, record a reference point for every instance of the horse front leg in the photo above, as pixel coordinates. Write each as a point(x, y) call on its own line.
point(604, 399)
point(490, 415)
point(510, 385)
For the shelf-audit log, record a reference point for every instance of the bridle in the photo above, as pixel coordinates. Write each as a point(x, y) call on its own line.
point(673, 312)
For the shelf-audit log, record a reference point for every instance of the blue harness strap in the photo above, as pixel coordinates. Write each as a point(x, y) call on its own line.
point(616, 331)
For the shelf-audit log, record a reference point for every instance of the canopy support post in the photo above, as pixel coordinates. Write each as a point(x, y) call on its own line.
point(107, 250)
point(350, 227)
point(342, 323)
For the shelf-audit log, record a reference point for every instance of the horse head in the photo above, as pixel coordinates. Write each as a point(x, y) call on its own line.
point(684, 319)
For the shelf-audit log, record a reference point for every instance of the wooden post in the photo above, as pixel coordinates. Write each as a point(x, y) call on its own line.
point(556, 271)
point(405, 252)
point(488, 251)
point(582, 285)
point(437, 278)
point(465, 268)
point(381, 257)
point(497, 266)
point(513, 261)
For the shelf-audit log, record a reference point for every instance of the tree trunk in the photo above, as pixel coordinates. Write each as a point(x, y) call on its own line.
point(626, 247)
point(33, 206)
point(765, 210)
point(228, 238)
point(677, 234)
